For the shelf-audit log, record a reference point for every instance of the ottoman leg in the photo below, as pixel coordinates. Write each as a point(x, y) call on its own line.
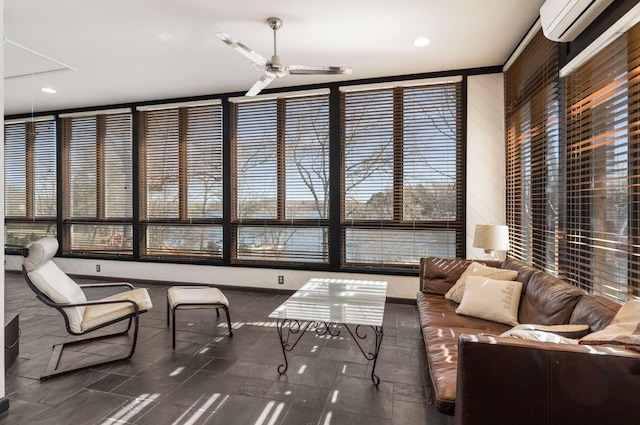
point(168, 308)
point(173, 323)
point(226, 310)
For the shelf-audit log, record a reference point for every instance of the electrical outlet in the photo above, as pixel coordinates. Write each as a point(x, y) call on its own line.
point(281, 280)
point(97, 267)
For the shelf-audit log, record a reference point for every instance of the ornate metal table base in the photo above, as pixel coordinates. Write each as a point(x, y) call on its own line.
point(295, 329)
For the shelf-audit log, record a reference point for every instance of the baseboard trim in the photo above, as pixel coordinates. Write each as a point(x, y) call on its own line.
point(4, 404)
point(220, 286)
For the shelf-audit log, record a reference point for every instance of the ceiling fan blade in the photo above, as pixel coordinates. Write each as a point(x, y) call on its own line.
point(259, 85)
point(242, 49)
point(317, 70)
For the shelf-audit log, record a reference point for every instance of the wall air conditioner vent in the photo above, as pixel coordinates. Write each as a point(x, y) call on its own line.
point(564, 20)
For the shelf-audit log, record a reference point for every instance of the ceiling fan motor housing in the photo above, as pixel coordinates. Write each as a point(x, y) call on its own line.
point(274, 23)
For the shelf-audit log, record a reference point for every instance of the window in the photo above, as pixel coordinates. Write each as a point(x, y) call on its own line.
point(602, 195)
point(347, 178)
point(30, 181)
point(181, 181)
point(280, 184)
point(97, 183)
point(402, 177)
point(533, 154)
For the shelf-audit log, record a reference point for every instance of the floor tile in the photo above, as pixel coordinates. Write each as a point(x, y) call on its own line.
point(360, 396)
point(242, 409)
point(108, 382)
point(21, 412)
point(131, 410)
point(55, 390)
point(302, 415)
point(205, 390)
point(405, 413)
point(411, 393)
point(334, 417)
point(298, 394)
point(163, 413)
point(254, 387)
point(145, 388)
point(83, 407)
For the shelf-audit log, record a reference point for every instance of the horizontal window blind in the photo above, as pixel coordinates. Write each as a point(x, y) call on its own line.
point(30, 181)
point(195, 241)
point(18, 234)
point(402, 184)
point(533, 154)
point(255, 159)
point(97, 182)
point(281, 244)
point(280, 168)
point(181, 181)
point(602, 160)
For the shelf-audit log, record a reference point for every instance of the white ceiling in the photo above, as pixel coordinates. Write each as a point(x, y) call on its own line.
point(136, 50)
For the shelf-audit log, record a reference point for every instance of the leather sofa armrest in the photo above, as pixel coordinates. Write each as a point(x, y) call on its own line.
point(514, 381)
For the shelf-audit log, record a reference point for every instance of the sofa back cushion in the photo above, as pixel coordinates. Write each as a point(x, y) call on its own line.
point(525, 271)
point(438, 275)
point(595, 311)
point(548, 300)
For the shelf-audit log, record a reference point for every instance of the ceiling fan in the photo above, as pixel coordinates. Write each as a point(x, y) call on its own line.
point(274, 68)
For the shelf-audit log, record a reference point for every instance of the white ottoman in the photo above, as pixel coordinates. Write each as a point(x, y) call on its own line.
point(193, 297)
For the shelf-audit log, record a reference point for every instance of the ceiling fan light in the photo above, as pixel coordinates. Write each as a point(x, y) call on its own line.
point(421, 41)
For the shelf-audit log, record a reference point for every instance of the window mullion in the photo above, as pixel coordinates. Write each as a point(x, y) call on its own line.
point(183, 183)
point(30, 133)
point(281, 161)
point(101, 130)
point(398, 155)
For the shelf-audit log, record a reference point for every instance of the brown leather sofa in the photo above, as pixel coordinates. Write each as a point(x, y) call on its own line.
point(484, 379)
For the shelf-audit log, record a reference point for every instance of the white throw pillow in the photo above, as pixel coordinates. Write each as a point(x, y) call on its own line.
point(476, 269)
point(540, 336)
point(624, 329)
point(574, 332)
point(495, 300)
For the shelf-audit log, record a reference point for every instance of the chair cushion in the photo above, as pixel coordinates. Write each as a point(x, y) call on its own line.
point(55, 284)
point(199, 296)
point(40, 252)
point(95, 315)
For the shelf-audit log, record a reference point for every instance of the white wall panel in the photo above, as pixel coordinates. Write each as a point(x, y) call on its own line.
point(164, 273)
point(486, 191)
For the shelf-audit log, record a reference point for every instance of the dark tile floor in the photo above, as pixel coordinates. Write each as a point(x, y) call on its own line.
point(213, 379)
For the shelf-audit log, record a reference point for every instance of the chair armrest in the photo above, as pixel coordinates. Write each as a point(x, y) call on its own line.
point(509, 381)
point(106, 285)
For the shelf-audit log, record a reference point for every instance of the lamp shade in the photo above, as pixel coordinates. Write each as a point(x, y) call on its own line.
point(491, 237)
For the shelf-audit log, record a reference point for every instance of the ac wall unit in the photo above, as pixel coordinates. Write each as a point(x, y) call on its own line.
point(564, 20)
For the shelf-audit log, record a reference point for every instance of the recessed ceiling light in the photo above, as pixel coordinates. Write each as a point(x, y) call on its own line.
point(421, 41)
point(48, 90)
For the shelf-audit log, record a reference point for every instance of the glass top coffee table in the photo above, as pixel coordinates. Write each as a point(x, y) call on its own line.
point(323, 304)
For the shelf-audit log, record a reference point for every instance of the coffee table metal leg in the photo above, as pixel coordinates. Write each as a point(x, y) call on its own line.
point(293, 328)
point(369, 355)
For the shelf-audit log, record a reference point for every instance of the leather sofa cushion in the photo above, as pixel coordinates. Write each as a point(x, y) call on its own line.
point(438, 275)
point(436, 311)
point(525, 271)
point(548, 300)
point(442, 355)
point(595, 311)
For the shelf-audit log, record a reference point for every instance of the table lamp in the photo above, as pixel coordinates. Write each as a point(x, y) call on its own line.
point(491, 238)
